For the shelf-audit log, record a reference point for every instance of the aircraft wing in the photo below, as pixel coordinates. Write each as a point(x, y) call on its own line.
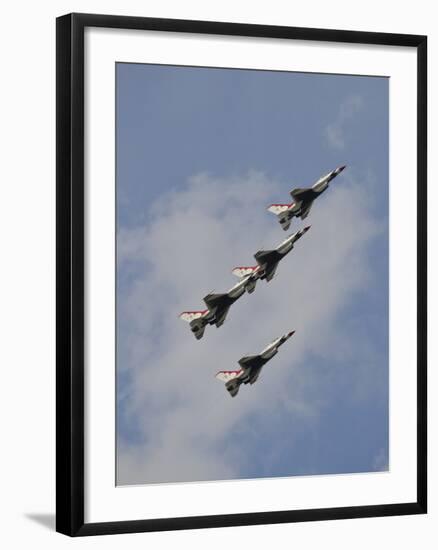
point(263, 257)
point(306, 210)
point(296, 193)
point(251, 366)
point(270, 271)
point(250, 361)
point(255, 373)
point(221, 315)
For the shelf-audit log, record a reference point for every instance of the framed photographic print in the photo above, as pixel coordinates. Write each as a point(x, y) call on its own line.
point(241, 274)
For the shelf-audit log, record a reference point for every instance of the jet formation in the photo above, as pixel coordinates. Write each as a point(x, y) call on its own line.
point(267, 261)
point(218, 305)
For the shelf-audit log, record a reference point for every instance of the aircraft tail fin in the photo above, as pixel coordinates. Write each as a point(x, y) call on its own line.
point(196, 320)
point(190, 316)
point(243, 271)
point(231, 379)
point(284, 214)
point(278, 208)
point(227, 375)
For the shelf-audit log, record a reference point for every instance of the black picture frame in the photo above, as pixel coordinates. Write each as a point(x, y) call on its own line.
point(70, 273)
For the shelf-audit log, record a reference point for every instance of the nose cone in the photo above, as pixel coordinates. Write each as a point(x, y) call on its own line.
point(339, 170)
point(298, 234)
point(303, 231)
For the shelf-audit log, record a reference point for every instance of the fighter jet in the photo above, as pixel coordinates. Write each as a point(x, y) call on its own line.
point(267, 261)
point(218, 306)
point(251, 366)
point(302, 200)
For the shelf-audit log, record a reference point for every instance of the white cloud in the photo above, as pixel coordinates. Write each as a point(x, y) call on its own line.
point(335, 132)
point(193, 239)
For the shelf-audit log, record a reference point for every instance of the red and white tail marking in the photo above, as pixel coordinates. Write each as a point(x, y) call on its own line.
point(244, 271)
point(227, 375)
point(192, 315)
point(279, 208)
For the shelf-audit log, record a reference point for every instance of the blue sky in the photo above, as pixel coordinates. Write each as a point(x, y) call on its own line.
point(200, 154)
